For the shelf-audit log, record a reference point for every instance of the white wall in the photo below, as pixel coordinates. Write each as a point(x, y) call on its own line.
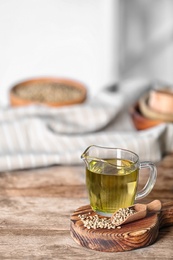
point(147, 39)
point(65, 38)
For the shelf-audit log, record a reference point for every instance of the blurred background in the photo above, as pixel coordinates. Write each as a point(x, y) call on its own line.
point(146, 39)
point(97, 42)
point(76, 39)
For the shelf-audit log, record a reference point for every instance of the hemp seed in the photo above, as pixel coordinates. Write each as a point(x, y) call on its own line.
point(94, 221)
point(48, 92)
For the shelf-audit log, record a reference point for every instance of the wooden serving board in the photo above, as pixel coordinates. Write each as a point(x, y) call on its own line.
point(130, 236)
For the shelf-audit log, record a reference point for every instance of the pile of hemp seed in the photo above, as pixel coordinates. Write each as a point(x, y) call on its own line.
point(47, 92)
point(95, 222)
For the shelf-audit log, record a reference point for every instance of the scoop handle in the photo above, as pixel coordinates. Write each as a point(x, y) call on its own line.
point(153, 206)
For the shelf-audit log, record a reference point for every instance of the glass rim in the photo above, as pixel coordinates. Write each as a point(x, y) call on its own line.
point(83, 156)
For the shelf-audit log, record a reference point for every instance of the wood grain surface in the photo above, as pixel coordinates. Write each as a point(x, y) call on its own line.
point(35, 210)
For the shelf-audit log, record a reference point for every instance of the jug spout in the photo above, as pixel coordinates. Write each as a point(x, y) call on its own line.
point(97, 159)
point(85, 156)
point(92, 154)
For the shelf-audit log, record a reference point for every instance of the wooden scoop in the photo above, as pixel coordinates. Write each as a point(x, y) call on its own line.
point(140, 211)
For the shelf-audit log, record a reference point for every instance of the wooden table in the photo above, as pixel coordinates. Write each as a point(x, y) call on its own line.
point(35, 209)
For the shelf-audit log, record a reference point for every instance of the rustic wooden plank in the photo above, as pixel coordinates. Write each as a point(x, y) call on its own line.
point(61, 246)
point(39, 213)
point(64, 191)
point(40, 177)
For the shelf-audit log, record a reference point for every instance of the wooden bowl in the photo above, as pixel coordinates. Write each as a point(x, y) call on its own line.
point(152, 114)
point(141, 122)
point(161, 100)
point(54, 92)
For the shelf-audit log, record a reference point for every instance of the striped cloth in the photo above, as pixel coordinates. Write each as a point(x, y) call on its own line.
point(37, 136)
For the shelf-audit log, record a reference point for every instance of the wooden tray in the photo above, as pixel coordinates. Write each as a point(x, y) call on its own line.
point(131, 236)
